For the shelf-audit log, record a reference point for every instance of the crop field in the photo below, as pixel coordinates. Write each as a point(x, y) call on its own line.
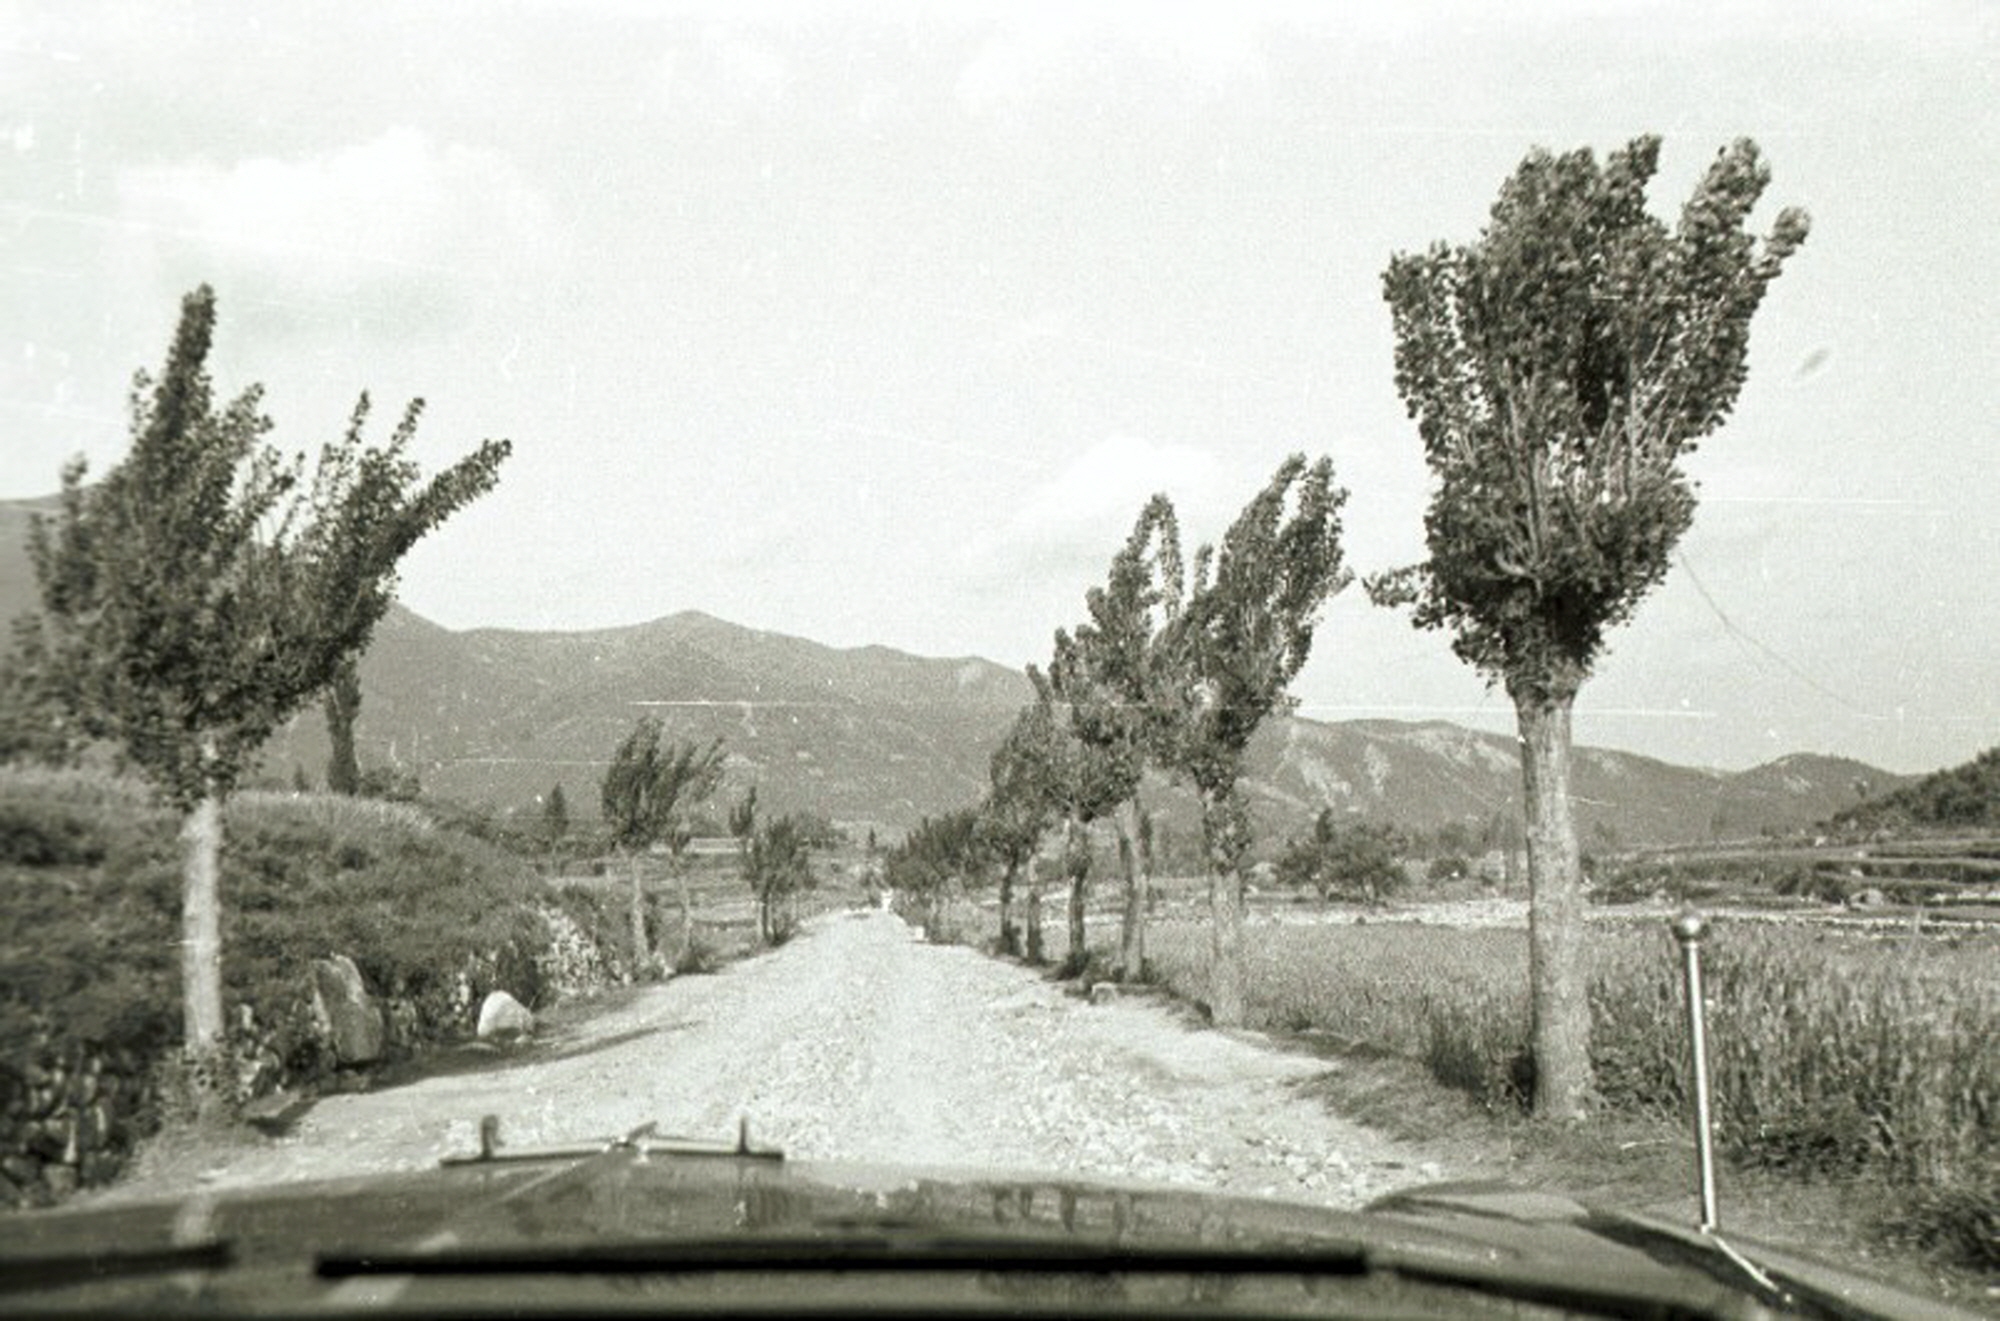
point(1834, 1053)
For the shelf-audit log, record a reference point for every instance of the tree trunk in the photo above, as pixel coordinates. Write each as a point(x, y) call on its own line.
point(1220, 830)
point(1138, 884)
point(687, 910)
point(641, 952)
point(1078, 869)
point(1557, 976)
point(1225, 902)
point(201, 927)
point(342, 705)
point(1010, 939)
point(1035, 954)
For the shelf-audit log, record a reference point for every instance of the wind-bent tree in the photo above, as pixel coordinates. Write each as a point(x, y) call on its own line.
point(778, 867)
point(342, 705)
point(1016, 813)
point(646, 793)
point(943, 856)
point(199, 594)
point(1244, 630)
point(1558, 369)
point(1110, 671)
point(1086, 782)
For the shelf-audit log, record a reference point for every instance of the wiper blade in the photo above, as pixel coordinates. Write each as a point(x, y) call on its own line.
point(57, 1269)
point(806, 1253)
point(635, 1142)
point(918, 1253)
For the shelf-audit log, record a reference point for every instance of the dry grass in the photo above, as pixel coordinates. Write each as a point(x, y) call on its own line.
point(1834, 1055)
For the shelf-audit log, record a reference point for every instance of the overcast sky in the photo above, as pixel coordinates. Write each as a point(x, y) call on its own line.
point(876, 324)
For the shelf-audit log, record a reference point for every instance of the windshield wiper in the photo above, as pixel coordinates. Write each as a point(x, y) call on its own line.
point(634, 1142)
point(806, 1253)
point(56, 1269)
point(917, 1253)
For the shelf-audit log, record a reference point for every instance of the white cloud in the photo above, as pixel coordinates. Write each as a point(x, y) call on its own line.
point(1064, 533)
point(1094, 500)
point(394, 210)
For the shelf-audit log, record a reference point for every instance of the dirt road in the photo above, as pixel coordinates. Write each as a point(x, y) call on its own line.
point(857, 1042)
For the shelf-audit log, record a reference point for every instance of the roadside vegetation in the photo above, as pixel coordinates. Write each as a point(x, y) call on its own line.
point(90, 1022)
point(1837, 1058)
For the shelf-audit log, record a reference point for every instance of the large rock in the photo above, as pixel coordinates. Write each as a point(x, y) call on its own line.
point(502, 1017)
point(345, 1011)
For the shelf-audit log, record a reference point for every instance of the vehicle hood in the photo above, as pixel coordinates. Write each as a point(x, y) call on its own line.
point(527, 1234)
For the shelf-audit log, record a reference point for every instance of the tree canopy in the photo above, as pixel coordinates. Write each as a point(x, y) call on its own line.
point(649, 787)
point(1558, 369)
point(1246, 626)
point(201, 591)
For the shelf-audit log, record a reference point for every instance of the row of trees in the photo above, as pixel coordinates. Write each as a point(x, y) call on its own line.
point(650, 796)
point(1559, 369)
point(1173, 669)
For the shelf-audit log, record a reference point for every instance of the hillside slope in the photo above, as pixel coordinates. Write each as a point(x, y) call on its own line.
point(876, 737)
point(1961, 797)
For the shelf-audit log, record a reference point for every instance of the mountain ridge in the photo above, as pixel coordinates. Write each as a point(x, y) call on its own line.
point(877, 737)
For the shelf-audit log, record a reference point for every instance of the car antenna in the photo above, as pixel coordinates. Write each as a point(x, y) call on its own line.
point(1689, 928)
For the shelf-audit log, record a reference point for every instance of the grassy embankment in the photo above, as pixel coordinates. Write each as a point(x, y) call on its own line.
point(1856, 1079)
point(89, 941)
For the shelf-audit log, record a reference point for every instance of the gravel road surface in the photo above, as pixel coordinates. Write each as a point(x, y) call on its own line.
point(858, 1042)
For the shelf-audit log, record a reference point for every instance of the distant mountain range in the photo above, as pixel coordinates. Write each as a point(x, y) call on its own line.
point(876, 737)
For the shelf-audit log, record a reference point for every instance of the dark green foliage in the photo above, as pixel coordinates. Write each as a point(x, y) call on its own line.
point(1559, 369)
point(1959, 796)
point(391, 784)
point(945, 853)
point(778, 867)
point(1109, 671)
point(1242, 634)
point(649, 788)
point(555, 816)
point(1358, 860)
point(35, 725)
point(200, 592)
point(1447, 868)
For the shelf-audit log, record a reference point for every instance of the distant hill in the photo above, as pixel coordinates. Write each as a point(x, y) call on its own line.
point(1424, 775)
point(872, 736)
point(867, 735)
point(1958, 796)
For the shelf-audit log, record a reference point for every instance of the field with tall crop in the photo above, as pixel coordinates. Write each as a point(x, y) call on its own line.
point(1835, 1054)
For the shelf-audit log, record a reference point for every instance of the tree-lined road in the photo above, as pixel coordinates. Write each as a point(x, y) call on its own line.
point(857, 1042)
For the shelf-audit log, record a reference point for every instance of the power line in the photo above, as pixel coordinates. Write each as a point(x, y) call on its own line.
point(1758, 644)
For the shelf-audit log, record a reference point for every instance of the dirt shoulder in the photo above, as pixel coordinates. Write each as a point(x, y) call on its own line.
point(857, 1042)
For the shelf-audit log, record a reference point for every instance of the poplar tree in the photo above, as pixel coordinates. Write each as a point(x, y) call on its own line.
point(555, 816)
point(1558, 369)
point(1242, 633)
point(1110, 670)
point(1016, 814)
point(645, 795)
point(1085, 782)
point(203, 591)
